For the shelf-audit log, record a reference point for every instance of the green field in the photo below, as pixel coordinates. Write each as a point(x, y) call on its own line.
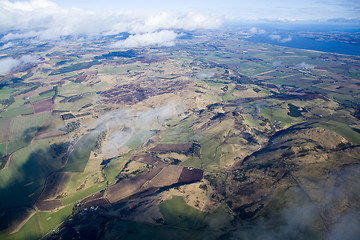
point(74, 106)
point(341, 128)
point(50, 220)
point(22, 126)
point(2, 149)
point(5, 92)
point(40, 97)
point(80, 154)
point(24, 109)
point(178, 214)
point(17, 108)
point(81, 194)
point(113, 168)
point(128, 230)
point(16, 145)
point(181, 222)
point(24, 179)
point(30, 231)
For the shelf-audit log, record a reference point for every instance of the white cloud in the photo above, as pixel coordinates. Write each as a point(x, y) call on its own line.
point(44, 20)
point(278, 38)
point(304, 65)
point(7, 45)
point(162, 38)
point(287, 39)
point(255, 30)
point(277, 64)
point(8, 64)
point(124, 125)
point(205, 75)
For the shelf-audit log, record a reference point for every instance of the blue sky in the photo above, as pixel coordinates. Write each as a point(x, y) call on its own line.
point(233, 9)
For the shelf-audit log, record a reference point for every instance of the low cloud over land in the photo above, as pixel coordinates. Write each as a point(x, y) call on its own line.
point(127, 126)
point(8, 64)
point(44, 20)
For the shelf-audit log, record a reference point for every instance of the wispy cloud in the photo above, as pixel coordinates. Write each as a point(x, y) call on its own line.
point(126, 125)
point(205, 75)
point(255, 30)
point(8, 64)
point(276, 37)
point(304, 65)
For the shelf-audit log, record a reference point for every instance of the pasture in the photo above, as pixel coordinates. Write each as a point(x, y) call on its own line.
point(178, 214)
point(50, 220)
point(5, 125)
point(80, 154)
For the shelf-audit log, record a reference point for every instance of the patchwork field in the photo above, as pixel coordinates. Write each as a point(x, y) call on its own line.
point(197, 140)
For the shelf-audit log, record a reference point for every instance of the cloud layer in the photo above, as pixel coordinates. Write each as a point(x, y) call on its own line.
point(44, 20)
point(8, 64)
point(163, 38)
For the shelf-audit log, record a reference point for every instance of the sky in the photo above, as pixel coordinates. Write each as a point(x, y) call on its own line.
point(233, 9)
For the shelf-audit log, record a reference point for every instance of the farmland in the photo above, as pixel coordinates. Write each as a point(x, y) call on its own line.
point(195, 141)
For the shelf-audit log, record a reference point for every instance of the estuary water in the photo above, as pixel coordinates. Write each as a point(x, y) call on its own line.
point(309, 44)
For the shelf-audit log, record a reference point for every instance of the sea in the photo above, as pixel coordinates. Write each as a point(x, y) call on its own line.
point(287, 39)
point(309, 44)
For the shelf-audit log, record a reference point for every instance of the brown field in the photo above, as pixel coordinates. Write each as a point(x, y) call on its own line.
point(37, 91)
point(103, 202)
point(50, 135)
point(5, 126)
point(183, 147)
point(190, 175)
point(130, 94)
point(147, 159)
point(54, 185)
point(167, 177)
point(48, 205)
point(150, 181)
point(43, 106)
point(128, 187)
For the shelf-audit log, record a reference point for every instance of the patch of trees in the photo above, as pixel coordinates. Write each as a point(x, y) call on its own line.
point(213, 106)
point(99, 140)
point(71, 126)
point(3, 161)
point(194, 150)
point(87, 105)
point(250, 138)
point(28, 90)
point(67, 116)
point(7, 102)
point(256, 90)
point(74, 67)
point(59, 148)
point(357, 113)
point(244, 212)
point(294, 111)
point(218, 116)
point(47, 91)
point(125, 54)
point(71, 99)
point(174, 161)
point(241, 79)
